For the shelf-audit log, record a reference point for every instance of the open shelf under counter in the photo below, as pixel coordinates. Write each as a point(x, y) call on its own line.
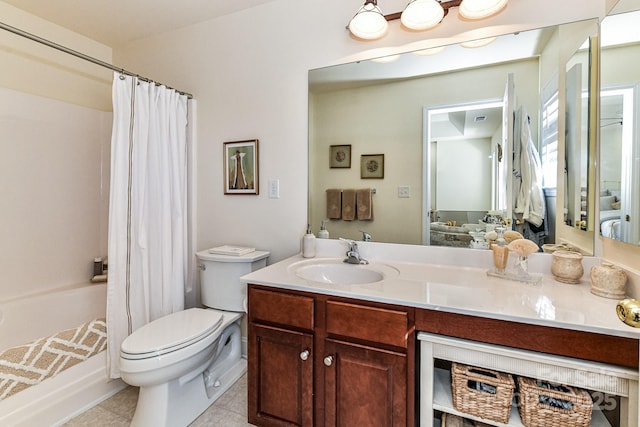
point(435, 382)
point(442, 401)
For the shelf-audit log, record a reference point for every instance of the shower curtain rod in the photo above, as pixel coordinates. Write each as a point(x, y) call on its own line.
point(77, 54)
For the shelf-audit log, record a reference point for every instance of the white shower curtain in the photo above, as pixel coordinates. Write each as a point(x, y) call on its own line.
point(148, 238)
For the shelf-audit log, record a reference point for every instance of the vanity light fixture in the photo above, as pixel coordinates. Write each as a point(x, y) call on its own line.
point(421, 15)
point(369, 23)
point(480, 9)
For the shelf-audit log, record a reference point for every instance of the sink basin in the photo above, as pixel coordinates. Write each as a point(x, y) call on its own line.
point(337, 272)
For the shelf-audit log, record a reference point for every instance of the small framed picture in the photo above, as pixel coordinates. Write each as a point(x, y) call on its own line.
point(241, 167)
point(340, 156)
point(372, 166)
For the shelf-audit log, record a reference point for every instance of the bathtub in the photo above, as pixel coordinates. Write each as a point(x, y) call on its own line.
point(57, 399)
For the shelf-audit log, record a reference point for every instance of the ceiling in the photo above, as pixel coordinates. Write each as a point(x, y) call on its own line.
point(466, 122)
point(115, 22)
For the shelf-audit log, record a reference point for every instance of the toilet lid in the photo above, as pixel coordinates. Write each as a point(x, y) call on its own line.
point(170, 333)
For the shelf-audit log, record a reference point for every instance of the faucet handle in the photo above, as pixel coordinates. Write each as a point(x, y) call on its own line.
point(353, 246)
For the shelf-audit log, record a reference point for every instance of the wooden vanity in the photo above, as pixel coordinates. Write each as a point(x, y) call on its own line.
point(321, 360)
point(379, 354)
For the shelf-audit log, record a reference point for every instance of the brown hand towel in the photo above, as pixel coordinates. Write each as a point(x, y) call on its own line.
point(364, 204)
point(334, 203)
point(348, 205)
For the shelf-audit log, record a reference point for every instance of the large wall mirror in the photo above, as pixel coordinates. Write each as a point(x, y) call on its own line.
point(620, 126)
point(444, 120)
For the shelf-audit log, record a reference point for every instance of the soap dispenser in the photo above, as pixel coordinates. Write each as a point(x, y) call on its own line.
point(309, 244)
point(323, 233)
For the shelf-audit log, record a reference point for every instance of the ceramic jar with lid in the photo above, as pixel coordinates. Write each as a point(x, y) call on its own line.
point(566, 266)
point(608, 281)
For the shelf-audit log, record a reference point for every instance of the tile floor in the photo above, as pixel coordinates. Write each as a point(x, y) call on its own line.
point(230, 410)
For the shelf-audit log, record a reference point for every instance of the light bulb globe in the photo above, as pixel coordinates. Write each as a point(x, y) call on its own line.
point(421, 15)
point(369, 23)
point(480, 9)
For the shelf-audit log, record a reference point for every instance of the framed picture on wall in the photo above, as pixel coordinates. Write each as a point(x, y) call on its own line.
point(241, 167)
point(340, 156)
point(372, 166)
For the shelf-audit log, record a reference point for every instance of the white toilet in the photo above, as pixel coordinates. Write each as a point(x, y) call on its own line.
point(184, 361)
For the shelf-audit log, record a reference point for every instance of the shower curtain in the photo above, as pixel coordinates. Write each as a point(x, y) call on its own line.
point(148, 236)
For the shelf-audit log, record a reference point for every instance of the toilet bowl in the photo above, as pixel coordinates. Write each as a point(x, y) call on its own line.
point(185, 361)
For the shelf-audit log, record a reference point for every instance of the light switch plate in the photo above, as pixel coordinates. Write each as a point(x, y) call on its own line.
point(404, 191)
point(274, 188)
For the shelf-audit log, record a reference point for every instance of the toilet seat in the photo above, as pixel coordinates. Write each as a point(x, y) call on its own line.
point(171, 333)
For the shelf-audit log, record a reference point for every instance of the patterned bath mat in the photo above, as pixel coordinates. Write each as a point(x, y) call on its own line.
point(30, 364)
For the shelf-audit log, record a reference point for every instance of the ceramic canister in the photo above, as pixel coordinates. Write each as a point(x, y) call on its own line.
point(566, 266)
point(608, 281)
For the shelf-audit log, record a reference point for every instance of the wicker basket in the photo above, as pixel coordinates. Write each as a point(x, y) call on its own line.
point(482, 393)
point(450, 420)
point(543, 404)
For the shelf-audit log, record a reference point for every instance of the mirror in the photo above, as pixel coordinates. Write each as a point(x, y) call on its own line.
point(619, 204)
point(376, 107)
point(576, 161)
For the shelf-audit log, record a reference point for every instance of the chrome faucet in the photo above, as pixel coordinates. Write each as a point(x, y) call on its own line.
point(353, 256)
point(366, 237)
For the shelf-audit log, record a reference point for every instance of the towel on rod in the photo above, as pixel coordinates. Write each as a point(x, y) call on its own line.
point(364, 204)
point(334, 203)
point(348, 204)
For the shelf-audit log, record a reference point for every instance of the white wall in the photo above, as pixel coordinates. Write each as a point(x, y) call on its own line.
point(54, 199)
point(464, 175)
point(33, 68)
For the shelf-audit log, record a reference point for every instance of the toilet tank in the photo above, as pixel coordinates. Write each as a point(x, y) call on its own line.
point(220, 284)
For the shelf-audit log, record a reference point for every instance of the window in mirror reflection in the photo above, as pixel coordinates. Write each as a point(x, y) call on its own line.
point(549, 138)
point(549, 149)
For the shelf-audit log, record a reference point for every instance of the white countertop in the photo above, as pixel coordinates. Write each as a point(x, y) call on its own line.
point(455, 280)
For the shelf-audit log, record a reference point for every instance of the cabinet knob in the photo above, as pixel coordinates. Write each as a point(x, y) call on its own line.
point(304, 355)
point(328, 361)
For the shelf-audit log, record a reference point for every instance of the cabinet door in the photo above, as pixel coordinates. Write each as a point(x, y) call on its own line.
point(364, 386)
point(280, 380)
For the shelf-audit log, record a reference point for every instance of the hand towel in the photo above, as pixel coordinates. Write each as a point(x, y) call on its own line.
point(348, 204)
point(364, 204)
point(334, 203)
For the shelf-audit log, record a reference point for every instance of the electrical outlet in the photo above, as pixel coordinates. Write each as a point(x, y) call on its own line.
point(274, 188)
point(404, 191)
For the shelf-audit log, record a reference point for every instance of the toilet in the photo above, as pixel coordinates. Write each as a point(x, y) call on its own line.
point(185, 361)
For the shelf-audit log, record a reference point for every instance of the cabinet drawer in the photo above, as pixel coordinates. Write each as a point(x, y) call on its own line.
point(374, 324)
point(281, 309)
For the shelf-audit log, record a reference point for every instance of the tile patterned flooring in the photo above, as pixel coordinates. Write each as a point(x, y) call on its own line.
point(230, 410)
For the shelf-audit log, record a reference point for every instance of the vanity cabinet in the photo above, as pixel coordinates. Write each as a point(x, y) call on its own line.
point(328, 361)
point(280, 356)
point(611, 387)
point(606, 365)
